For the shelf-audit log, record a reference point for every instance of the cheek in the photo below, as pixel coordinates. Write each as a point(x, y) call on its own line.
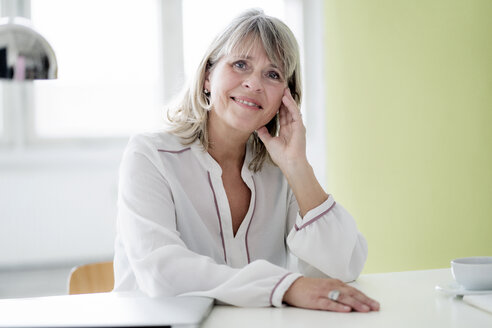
point(216, 88)
point(277, 98)
point(221, 86)
point(275, 106)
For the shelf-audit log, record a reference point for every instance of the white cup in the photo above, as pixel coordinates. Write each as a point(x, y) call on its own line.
point(473, 273)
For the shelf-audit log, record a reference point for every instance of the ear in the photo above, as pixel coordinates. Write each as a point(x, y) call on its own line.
point(208, 76)
point(206, 84)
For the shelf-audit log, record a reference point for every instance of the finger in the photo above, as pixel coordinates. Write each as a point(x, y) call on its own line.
point(282, 115)
point(291, 105)
point(292, 109)
point(353, 302)
point(363, 299)
point(288, 94)
point(329, 305)
point(287, 117)
point(264, 135)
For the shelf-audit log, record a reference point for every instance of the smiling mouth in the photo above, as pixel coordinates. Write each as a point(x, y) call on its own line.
point(247, 103)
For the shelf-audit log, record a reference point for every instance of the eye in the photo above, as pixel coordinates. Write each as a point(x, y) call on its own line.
point(240, 64)
point(273, 75)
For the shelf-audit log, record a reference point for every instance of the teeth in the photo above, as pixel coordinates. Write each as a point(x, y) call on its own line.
point(247, 103)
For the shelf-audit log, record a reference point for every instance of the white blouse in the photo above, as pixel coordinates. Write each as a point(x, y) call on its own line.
point(175, 236)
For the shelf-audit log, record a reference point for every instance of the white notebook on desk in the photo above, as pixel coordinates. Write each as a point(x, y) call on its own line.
point(483, 302)
point(104, 310)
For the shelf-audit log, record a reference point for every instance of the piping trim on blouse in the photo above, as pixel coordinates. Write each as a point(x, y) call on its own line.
point(316, 218)
point(218, 215)
point(249, 224)
point(173, 151)
point(276, 285)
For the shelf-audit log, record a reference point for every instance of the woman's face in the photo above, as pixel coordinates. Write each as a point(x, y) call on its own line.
point(245, 91)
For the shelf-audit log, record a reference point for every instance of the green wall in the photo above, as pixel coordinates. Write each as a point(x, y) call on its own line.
point(409, 126)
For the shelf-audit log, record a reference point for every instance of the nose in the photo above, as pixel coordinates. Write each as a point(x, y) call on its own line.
point(253, 82)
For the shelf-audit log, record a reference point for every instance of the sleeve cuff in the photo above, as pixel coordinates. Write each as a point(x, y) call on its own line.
point(315, 214)
point(281, 287)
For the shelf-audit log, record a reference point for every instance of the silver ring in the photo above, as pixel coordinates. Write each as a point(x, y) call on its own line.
point(334, 295)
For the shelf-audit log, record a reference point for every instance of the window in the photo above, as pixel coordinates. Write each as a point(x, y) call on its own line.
point(108, 56)
point(108, 77)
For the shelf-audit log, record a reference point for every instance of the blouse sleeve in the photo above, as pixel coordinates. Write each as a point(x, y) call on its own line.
point(326, 241)
point(160, 260)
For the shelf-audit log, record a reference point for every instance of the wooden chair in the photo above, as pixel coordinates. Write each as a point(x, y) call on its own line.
point(91, 278)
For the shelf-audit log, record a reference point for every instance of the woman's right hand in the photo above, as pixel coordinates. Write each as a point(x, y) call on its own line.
point(312, 293)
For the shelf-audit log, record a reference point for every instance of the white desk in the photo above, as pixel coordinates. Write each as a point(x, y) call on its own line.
point(408, 299)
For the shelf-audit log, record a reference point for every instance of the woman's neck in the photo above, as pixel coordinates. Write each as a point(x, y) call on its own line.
point(227, 146)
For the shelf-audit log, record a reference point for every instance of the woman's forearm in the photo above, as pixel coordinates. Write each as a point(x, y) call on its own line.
point(305, 185)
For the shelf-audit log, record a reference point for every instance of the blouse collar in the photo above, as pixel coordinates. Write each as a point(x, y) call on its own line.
point(211, 165)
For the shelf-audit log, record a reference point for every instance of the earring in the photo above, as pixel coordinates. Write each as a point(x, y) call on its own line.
point(206, 92)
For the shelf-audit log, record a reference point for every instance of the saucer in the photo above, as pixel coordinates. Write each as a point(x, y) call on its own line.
point(456, 289)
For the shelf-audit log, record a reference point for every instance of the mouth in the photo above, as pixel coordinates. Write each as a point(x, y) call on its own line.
point(249, 103)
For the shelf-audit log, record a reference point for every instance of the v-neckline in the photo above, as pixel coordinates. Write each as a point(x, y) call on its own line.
point(242, 229)
point(247, 176)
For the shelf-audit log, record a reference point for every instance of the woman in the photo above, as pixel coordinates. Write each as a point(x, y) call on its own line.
point(224, 204)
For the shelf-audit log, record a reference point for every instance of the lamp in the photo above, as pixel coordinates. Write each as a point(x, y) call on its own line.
point(24, 53)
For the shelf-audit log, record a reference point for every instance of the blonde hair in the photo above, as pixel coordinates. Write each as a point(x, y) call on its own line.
point(188, 118)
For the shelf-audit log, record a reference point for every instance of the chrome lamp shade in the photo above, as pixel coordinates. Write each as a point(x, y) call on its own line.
point(24, 53)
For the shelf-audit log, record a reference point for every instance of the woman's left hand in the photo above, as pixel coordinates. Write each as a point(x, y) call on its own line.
point(290, 144)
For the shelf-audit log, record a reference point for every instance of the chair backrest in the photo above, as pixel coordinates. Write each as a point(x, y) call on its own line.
point(91, 278)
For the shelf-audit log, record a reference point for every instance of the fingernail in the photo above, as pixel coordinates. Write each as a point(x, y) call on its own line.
point(375, 306)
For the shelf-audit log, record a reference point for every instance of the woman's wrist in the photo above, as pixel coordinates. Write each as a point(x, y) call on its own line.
point(295, 168)
point(302, 180)
point(289, 297)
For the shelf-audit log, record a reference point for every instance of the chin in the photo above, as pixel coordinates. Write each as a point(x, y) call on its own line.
point(244, 128)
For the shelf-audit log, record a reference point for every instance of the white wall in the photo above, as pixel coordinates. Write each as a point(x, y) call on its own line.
point(57, 208)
